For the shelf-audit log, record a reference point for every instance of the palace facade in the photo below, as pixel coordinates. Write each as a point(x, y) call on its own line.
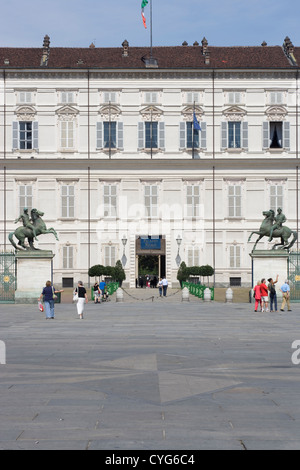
point(102, 140)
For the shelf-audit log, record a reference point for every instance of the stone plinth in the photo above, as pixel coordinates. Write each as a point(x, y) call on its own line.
point(269, 263)
point(34, 269)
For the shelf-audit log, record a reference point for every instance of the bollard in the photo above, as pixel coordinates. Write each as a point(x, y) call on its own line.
point(229, 295)
point(185, 295)
point(207, 295)
point(120, 295)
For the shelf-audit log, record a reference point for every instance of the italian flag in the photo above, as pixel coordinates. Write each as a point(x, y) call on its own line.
point(144, 4)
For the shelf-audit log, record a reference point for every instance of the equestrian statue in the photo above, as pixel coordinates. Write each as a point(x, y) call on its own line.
point(272, 227)
point(32, 227)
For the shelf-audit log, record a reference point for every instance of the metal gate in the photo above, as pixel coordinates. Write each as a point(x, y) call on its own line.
point(7, 278)
point(294, 276)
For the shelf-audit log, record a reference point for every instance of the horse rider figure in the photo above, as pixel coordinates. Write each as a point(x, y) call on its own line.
point(279, 220)
point(26, 221)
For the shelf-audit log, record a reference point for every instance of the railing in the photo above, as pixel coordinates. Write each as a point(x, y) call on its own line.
point(198, 290)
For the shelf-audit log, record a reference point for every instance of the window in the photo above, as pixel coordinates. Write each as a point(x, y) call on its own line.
point(67, 135)
point(68, 257)
point(67, 97)
point(110, 201)
point(193, 256)
point(234, 135)
point(67, 201)
point(25, 97)
point(109, 97)
point(25, 198)
point(110, 135)
point(234, 97)
point(235, 256)
point(276, 97)
point(193, 200)
point(192, 136)
point(234, 200)
point(192, 97)
point(109, 255)
point(276, 197)
point(151, 200)
point(276, 135)
point(151, 135)
point(151, 97)
point(187, 133)
point(25, 135)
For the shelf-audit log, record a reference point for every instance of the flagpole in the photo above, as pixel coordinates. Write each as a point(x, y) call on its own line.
point(151, 29)
point(193, 130)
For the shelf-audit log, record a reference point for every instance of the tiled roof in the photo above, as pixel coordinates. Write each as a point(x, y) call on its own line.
point(182, 57)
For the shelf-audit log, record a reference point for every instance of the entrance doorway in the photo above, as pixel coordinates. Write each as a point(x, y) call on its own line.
point(150, 259)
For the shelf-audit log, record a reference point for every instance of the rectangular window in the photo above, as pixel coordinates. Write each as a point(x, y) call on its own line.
point(151, 135)
point(67, 97)
point(234, 97)
point(110, 135)
point(193, 258)
point(234, 135)
point(235, 256)
point(68, 257)
point(151, 97)
point(67, 134)
point(109, 256)
point(192, 136)
point(235, 201)
point(109, 97)
point(276, 197)
point(110, 201)
point(67, 201)
point(276, 97)
point(193, 201)
point(192, 97)
point(25, 198)
point(276, 135)
point(151, 201)
point(25, 97)
point(25, 135)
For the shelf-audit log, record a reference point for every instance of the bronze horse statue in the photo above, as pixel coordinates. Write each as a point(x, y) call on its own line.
point(21, 233)
point(283, 232)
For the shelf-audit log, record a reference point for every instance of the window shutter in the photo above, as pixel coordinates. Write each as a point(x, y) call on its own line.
point(120, 143)
point(266, 135)
point(15, 135)
point(182, 135)
point(99, 144)
point(161, 130)
point(35, 128)
point(286, 135)
point(245, 135)
point(141, 138)
point(224, 133)
point(203, 136)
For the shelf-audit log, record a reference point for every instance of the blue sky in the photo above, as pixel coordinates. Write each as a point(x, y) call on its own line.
point(78, 23)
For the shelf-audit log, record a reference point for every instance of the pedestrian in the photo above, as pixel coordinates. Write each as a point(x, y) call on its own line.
point(103, 289)
point(49, 292)
point(82, 298)
point(257, 296)
point(285, 289)
point(96, 290)
point(264, 296)
point(273, 295)
point(160, 287)
point(165, 286)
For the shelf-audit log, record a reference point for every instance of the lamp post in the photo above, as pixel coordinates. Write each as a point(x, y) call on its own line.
point(124, 241)
point(179, 240)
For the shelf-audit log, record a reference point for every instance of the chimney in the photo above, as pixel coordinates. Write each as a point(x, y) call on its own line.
point(185, 44)
point(205, 51)
point(46, 51)
point(92, 46)
point(264, 44)
point(289, 48)
point(196, 44)
point(125, 45)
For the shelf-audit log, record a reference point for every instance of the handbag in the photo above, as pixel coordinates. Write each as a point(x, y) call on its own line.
point(41, 307)
point(75, 296)
point(54, 296)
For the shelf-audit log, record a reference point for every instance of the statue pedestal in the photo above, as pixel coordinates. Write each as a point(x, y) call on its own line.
point(34, 268)
point(269, 263)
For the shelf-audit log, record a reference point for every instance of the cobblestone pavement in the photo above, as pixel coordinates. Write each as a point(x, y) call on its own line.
point(149, 375)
